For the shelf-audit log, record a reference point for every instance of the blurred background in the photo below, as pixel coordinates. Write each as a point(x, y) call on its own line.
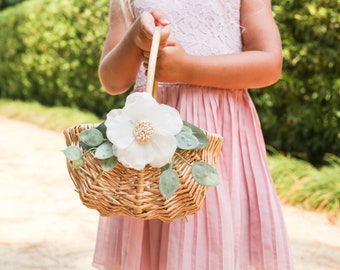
point(49, 54)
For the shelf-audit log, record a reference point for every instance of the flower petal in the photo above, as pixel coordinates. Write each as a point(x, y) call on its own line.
point(167, 118)
point(139, 96)
point(136, 156)
point(164, 147)
point(119, 128)
point(139, 106)
point(166, 122)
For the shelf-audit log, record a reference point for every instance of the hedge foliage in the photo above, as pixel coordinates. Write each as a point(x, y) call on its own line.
point(301, 113)
point(49, 52)
point(7, 3)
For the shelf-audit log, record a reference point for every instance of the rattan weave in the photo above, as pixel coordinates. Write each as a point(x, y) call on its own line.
point(133, 193)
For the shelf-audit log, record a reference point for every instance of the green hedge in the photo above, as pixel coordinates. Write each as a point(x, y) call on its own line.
point(50, 52)
point(7, 3)
point(301, 113)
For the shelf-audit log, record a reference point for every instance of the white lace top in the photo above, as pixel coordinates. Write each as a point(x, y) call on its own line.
point(208, 27)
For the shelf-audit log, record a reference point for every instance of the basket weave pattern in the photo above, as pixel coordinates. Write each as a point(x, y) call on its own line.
point(135, 193)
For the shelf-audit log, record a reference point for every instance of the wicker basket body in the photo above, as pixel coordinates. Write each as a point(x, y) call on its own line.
point(128, 192)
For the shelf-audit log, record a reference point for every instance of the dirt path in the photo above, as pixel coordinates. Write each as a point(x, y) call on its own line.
point(45, 226)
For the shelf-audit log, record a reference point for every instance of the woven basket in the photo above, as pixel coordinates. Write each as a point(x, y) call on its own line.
point(135, 193)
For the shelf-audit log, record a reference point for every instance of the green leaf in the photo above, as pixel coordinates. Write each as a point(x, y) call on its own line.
point(199, 134)
point(92, 137)
point(109, 163)
point(186, 141)
point(104, 151)
point(205, 174)
point(169, 165)
point(166, 167)
point(186, 129)
point(168, 183)
point(78, 163)
point(85, 146)
point(73, 153)
point(102, 128)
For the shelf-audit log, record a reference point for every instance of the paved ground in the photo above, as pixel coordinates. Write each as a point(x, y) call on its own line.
point(43, 224)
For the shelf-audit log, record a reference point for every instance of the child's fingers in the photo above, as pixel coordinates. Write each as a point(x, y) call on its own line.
point(145, 58)
point(149, 20)
point(146, 55)
point(160, 18)
point(165, 33)
point(171, 42)
point(147, 24)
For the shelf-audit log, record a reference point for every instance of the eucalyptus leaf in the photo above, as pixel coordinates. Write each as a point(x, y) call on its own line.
point(109, 163)
point(91, 137)
point(199, 134)
point(104, 151)
point(205, 174)
point(85, 146)
point(168, 183)
point(166, 167)
point(186, 129)
point(78, 163)
point(186, 141)
point(73, 152)
point(102, 128)
point(169, 165)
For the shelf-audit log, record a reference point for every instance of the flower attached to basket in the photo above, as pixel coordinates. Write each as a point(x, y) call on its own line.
point(145, 132)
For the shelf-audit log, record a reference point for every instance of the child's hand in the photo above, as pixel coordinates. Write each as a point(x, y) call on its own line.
point(145, 26)
point(170, 62)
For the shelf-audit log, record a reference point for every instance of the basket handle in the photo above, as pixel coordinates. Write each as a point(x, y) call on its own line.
point(151, 84)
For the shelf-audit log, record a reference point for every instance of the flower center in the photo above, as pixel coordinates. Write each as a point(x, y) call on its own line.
point(143, 131)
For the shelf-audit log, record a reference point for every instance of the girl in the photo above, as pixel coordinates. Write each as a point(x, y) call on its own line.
point(210, 53)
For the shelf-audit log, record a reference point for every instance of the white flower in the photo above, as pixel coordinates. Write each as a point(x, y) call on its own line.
point(143, 132)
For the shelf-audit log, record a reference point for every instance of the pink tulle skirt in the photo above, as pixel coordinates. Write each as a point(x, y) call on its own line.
point(240, 226)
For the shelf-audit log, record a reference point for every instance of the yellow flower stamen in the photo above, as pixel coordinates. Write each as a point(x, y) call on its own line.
point(143, 131)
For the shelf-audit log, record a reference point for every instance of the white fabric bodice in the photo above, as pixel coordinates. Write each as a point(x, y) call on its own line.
point(209, 27)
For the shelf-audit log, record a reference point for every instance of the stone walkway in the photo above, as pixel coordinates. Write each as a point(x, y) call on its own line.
point(43, 224)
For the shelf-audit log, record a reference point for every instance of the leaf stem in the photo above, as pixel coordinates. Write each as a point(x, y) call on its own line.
point(92, 149)
point(182, 158)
